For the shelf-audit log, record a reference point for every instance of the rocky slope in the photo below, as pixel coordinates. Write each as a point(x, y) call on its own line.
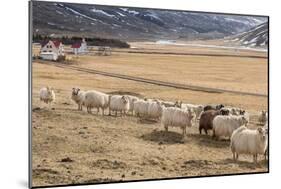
point(134, 23)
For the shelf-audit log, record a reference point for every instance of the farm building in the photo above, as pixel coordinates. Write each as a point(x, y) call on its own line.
point(51, 50)
point(79, 47)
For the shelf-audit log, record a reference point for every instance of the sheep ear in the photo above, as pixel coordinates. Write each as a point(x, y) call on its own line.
point(78, 89)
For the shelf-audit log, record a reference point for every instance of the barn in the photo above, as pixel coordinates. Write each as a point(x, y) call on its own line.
point(51, 50)
point(79, 47)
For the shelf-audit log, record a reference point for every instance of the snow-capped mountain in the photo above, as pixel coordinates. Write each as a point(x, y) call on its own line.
point(255, 37)
point(135, 23)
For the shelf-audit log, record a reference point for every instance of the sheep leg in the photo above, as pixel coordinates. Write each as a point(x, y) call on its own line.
point(200, 129)
point(254, 158)
point(89, 110)
point(237, 156)
point(166, 128)
point(102, 111)
point(109, 111)
point(206, 131)
point(183, 133)
point(234, 157)
point(214, 134)
point(115, 113)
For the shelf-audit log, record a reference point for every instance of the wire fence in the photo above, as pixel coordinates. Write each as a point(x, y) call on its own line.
point(158, 82)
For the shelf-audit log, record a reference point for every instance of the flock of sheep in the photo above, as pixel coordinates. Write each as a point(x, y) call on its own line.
point(223, 121)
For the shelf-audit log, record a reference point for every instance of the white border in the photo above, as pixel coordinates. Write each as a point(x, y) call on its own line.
point(14, 91)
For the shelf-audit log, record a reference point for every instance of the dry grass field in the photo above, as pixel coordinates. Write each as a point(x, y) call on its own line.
point(72, 147)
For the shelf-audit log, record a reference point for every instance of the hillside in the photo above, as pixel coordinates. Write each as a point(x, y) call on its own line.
point(133, 24)
point(256, 37)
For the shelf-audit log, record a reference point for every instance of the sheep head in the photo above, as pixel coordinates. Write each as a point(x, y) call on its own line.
point(125, 99)
point(178, 104)
point(262, 133)
point(75, 91)
point(220, 106)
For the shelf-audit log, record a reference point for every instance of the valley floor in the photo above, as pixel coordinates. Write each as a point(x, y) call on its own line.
point(72, 147)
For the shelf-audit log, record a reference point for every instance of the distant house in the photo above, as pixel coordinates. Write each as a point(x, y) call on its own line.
point(79, 47)
point(51, 50)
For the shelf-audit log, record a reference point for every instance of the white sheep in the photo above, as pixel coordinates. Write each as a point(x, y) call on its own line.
point(225, 125)
point(176, 117)
point(96, 99)
point(234, 110)
point(141, 108)
point(238, 111)
point(197, 109)
point(78, 97)
point(47, 95)
point(132, 99)
point(119, 103)
point(149, 99)
point(247, 141)
point(154, 110)
point(266, 131)
point(263, 117)
point(171, 104)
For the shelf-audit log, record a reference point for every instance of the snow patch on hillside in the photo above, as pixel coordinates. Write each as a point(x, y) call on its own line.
point(103, 12)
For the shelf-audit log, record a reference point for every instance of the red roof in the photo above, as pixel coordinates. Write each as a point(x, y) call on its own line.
point(76, 45)
point(56, 43)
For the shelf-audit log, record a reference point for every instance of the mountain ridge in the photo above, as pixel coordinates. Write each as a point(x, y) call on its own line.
point(135, 24)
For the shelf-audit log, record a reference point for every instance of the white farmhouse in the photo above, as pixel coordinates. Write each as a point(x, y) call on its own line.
point(51, 50)
point(79, 47)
